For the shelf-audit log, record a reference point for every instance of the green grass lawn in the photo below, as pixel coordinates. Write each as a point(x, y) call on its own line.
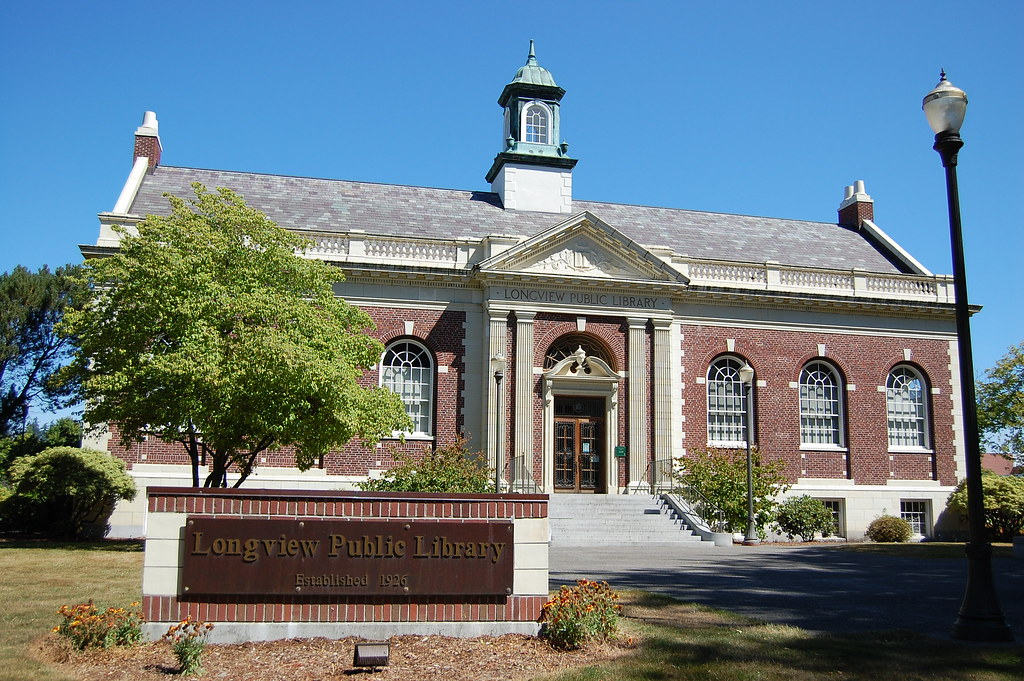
point(36, 578)
point(677, 641)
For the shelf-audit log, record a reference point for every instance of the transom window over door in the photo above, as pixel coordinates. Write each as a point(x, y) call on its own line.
point(727, 404)
point(408, 369)
point(535, 124)
point(821, 417)
point(906, 408)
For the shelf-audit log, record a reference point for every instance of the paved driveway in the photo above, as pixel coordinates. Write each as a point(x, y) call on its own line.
point(819, 588)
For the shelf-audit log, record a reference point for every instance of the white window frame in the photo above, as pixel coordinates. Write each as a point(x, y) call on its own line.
point(838, 508)
point(524, 124)
point(822, 413)
point(414, 385)
point(918, 513)
point(907, 410)
point(726, 401)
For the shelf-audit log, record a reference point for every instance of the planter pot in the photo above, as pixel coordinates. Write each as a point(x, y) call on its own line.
point(721, 538)
point(1018, 547)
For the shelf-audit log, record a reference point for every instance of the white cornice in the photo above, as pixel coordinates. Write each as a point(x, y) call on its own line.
point(131, 186)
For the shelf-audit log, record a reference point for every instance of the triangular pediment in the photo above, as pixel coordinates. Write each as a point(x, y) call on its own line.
point(583, 246)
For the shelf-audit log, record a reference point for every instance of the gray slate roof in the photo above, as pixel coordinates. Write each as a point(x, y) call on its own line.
point(304, 203)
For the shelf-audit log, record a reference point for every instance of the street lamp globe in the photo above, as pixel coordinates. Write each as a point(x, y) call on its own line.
point(945, 107)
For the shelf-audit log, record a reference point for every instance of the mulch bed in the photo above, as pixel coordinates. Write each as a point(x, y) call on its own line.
point(413, 658)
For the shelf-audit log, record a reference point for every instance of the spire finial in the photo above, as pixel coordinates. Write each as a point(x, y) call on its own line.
point(531, 57)
point(942, 73)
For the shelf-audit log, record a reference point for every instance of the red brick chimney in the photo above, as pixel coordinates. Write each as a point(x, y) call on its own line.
point(856, 206)
point(147, 140)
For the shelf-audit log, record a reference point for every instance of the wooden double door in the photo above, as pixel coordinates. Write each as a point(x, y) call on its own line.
point(579, 445)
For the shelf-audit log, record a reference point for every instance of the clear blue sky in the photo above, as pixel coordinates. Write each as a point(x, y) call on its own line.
point(763, 108)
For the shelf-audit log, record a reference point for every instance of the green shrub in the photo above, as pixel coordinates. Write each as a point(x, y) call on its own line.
point(720, 476)
point(1004, 504)
point(66, 490)
point(804, 516)
point(585, 612)
point(888, 528)
point(448, 469)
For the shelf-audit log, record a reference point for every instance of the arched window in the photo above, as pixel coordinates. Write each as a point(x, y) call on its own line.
point(408, 369)
point(906, 408)
point(535, 124)
point(821, 406)
point(566, 345)
point(727, 404)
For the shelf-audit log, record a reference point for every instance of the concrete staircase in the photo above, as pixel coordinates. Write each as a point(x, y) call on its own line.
point(614, 520)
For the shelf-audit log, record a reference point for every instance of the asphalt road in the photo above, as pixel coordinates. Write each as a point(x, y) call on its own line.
point(818, 587)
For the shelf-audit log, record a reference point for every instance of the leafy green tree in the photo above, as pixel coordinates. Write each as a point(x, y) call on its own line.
point(64, 432)
point(1004, 504)
point(66, 490)
point(720, 476)
point(32, 304)
point(449, 469)
point(803, 517)
point(1001, 404)
point(210, 331)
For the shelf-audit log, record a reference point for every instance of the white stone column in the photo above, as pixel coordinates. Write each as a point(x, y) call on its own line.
point(497, 344)
point(663, 370)
point(638, 445)
point(524, 388)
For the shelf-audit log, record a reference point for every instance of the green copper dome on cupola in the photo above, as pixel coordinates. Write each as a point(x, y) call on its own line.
point(533, 73)
point(532, 80)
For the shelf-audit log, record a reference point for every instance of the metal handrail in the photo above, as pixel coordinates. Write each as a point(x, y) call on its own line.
point(521, 477)
point(696, 503)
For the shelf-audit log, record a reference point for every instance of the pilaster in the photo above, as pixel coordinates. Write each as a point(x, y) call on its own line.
point(638, 444)
point(662, 391)
point(524, 388)
point(497, 344)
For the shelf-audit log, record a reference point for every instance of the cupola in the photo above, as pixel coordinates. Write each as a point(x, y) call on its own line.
point(533, 172)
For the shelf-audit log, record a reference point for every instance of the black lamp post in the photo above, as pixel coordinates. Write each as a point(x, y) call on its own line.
point(980, 618)
point(747, 379)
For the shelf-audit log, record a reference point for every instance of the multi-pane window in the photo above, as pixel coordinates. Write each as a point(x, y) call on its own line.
point(906, 408)
point(536, 120)
point(915, 512)
point(836, 508)
point(820, 406)
point(408, 370)
point(727, 404)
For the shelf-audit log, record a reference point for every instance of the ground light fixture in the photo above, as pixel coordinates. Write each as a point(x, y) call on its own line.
point(747, 379)
point(980, 618)
point(372, 654)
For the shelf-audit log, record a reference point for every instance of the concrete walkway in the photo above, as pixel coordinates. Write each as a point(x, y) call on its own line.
point(819, 587)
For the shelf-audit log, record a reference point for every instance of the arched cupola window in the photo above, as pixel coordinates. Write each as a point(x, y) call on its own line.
point(821, 406)
point(537, 124)
point(906, 408)
point(407, 368)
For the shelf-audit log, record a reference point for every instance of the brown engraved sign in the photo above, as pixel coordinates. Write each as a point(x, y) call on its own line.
point(266, 557)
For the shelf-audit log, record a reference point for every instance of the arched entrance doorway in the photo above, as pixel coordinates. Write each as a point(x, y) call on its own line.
point(580, 423)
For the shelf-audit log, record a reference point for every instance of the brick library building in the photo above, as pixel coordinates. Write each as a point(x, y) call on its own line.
point(584, 346)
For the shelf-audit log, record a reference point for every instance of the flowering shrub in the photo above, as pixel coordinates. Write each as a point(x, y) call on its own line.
point(86, 627)
point(188, 640)
point(581, 613)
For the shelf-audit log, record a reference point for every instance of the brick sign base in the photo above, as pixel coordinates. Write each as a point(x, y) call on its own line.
point(270, 564)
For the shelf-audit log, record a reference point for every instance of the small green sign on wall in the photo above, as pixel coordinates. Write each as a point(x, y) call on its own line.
point(620, 450)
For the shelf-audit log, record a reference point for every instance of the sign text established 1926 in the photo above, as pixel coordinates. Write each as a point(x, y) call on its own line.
point(346, 557)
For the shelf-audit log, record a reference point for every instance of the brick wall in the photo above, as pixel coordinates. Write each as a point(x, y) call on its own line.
point(168, 508)
point(863, 362)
